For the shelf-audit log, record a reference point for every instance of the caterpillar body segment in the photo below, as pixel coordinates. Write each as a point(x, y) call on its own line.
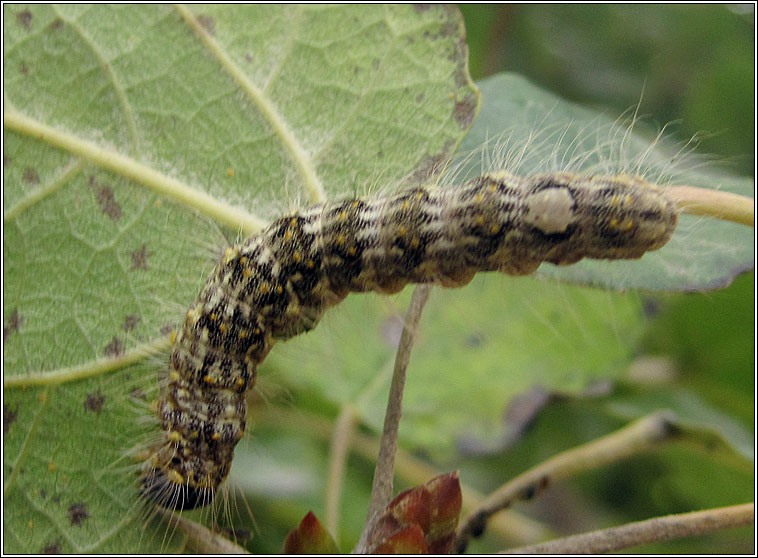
point(278, 283)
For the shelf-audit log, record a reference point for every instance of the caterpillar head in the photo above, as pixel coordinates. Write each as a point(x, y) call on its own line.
point(161, 488)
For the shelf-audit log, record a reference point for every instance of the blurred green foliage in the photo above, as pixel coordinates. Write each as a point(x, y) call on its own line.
point(692, 64)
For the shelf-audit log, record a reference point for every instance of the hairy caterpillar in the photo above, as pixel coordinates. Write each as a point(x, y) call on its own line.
point(278, 283)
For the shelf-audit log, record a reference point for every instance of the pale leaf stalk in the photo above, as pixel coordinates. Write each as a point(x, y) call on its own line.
point(200, 539)
point(344, 429)
point(658, 529)
point(713, 203)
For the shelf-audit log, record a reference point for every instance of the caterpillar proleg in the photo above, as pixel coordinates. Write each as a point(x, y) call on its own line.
point(278, 283)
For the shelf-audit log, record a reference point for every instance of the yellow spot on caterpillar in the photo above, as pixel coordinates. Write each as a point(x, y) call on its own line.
point(343, 215)
point(243, 334)
point(351, 250)
point(279, 289)
point(340, 239)
point(243, 260)
point(264, 288)
point(415, 242)
point(311, 264)
point(287, 234)
point(240, 382)
point(214, 316)
point(230, 254)
point(401, 230)
point(293, 222)
point(174, 436)
point(479, 197)
point(629, 200)
point(479, 220)
point(494, 229)
point(246, 273)
point(223, 328)
point(296, 256)
point(174, 376)
point(172, 336)
point(615, 200)
point(406, 205)
point(174, 476)
point(492, 187)
point(627, 225)
point(614, 223)
point(194, 434)
point(215, 436)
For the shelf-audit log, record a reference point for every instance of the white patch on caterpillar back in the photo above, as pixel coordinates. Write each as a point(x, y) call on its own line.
point(550, 210)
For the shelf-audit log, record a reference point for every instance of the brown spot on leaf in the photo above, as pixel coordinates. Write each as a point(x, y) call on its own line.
point(139, 258)
point(465, 111)
point(130, 322)
point(9, 417)
point(419, 97)
point(7, 161)
point(23, 68)
point(77, 513)
point(114, 348)
point(12, 323)
point(94, 402)
point(166, 329)
point(30, 176)
point(107, 202)
point(207, 23)
point(25, 19)
point(420, 8)
point(56, 24)
point(137, 393)
point(53, 547)
point(248, 57)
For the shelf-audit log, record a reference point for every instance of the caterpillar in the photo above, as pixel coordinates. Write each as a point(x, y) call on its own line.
point(278, 283)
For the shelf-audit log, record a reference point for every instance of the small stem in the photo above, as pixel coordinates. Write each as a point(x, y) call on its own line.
point(344, 429)
point(643, 532)
point(714, 203)
point(637, 437)
point(200, 539)
point(381, 491)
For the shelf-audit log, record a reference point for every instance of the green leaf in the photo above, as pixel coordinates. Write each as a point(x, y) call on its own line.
point(130, 131)
point(703, 254)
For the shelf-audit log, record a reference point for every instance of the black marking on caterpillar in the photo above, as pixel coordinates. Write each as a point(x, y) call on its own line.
point(278, 283)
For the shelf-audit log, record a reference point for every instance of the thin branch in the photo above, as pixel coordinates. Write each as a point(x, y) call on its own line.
point(714, 203)
point(200, 539)
point(381, 491)
point(642, 532)
point(344, 429)
point(637, 437)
